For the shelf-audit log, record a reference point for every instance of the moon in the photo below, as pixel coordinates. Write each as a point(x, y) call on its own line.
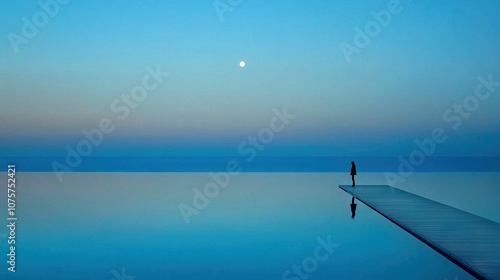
point(242, 64)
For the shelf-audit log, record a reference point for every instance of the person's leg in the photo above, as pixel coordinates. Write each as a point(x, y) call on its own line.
point(353, 183)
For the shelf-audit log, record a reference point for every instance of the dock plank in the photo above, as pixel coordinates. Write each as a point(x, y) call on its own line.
point(470, 241)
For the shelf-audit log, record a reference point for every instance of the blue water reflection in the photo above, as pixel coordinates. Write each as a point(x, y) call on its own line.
point(261, 226)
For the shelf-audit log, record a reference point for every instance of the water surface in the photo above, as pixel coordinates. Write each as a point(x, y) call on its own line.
point(92, 225)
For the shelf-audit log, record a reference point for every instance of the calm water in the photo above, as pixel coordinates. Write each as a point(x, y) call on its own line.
point(113, 225)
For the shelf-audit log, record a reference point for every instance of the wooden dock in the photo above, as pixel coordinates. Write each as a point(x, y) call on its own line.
point(470, 241)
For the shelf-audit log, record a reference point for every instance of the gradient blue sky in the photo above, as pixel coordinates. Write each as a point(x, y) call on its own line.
point(428, 58)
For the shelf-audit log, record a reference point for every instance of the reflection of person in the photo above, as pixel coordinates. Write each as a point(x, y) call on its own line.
point(353, 173)
point(353, 208)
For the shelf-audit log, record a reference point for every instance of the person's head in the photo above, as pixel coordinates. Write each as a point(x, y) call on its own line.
point(352, 162)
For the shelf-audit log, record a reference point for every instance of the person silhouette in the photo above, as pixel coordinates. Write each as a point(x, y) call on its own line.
point(353, 208)
point(353, 173)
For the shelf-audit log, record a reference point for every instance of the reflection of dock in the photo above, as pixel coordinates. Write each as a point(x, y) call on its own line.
point(470, 241)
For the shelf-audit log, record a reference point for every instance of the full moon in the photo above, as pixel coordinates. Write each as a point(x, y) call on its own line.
point(242, 64)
